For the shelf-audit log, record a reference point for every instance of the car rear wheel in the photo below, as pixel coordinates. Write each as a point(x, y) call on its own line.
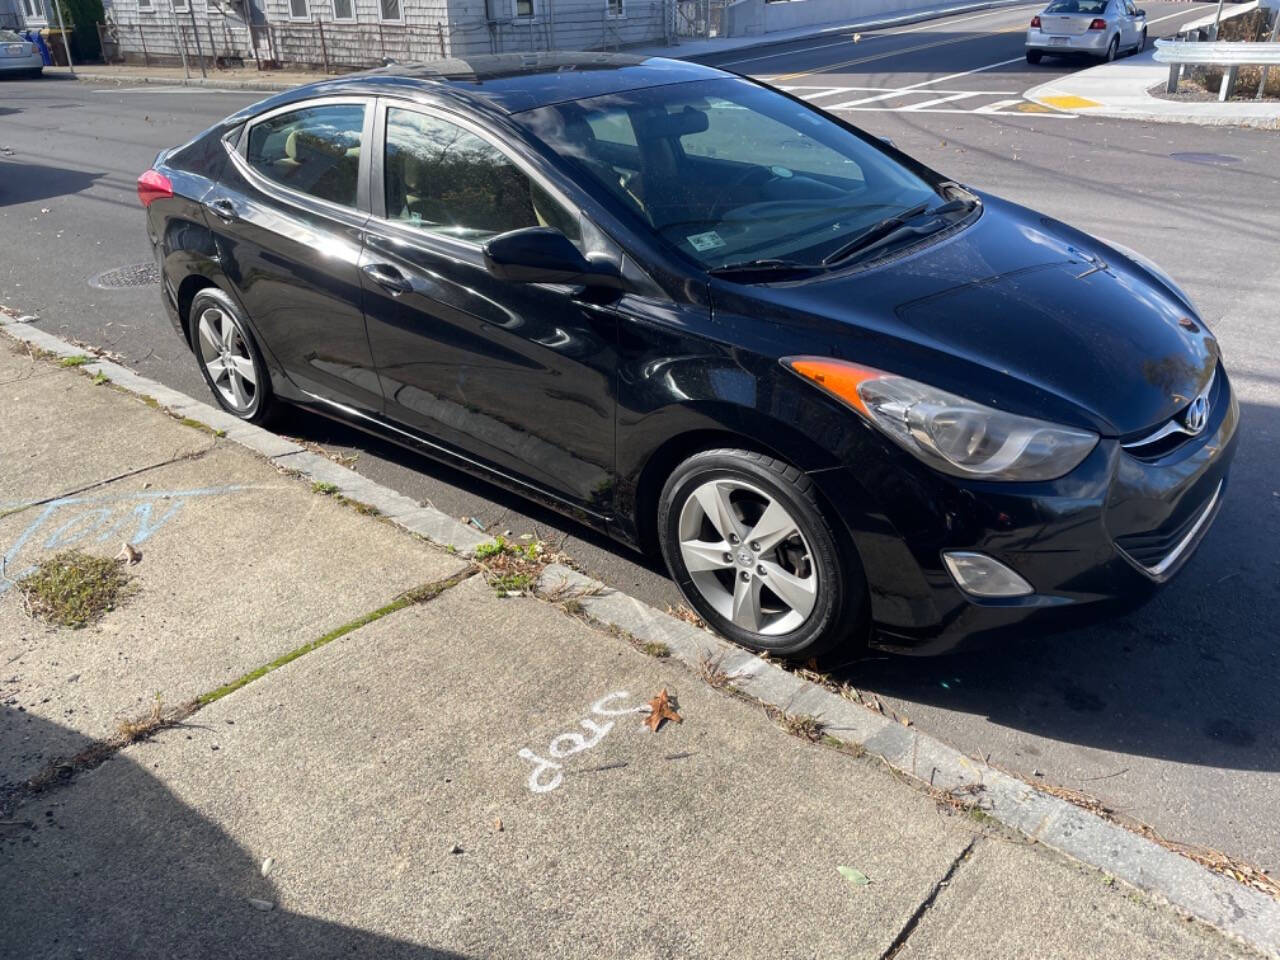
point(1034, 56)
point(228, 357)
point(747, 542)
point(1113, 48)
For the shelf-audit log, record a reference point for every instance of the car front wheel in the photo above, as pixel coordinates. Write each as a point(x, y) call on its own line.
point(228, 356)
point(747, 542)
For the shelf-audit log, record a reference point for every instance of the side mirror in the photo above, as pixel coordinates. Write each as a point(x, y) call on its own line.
point(544, 255)
point(1141, 12)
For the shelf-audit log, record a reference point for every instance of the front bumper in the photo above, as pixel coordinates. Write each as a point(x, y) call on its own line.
point(1095, 543)
point(1093, 42)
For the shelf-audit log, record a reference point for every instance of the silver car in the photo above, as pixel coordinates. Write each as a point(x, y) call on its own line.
point(19, 56)
point(1101, 28)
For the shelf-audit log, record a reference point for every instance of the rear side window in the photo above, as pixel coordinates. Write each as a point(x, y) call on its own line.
point(444, 179)
point(315, 150)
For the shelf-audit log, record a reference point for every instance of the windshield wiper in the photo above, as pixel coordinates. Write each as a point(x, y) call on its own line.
point(893, 228)
point(771, 265)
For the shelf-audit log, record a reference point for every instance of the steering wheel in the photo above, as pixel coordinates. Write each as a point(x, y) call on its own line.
point(763, 174)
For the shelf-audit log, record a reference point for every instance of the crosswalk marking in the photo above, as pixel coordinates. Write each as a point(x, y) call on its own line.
point(904, 100)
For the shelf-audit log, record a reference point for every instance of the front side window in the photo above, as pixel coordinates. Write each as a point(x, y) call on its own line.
point(728, 171)
point(443, 179)
point(315, 150)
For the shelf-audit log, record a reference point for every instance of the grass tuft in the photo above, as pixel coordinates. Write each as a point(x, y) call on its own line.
point(73, 589)
point(324, 488)
point(78, 360)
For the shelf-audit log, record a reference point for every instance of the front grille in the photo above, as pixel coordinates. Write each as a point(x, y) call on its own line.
point(1158, 550)
point(1173, 433)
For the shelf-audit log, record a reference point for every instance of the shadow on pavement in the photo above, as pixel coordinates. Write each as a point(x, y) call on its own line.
point(1191, 677)
point(24, 182)
point(113, 865)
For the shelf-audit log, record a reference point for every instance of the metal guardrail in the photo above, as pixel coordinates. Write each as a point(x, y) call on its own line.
point(1233, 56)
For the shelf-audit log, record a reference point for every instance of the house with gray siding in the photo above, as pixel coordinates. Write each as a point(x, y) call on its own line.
point(341, 35)
point(23, 14)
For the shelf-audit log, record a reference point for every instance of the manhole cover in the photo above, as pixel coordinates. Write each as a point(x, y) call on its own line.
point(135, 275)
point(1208, 159)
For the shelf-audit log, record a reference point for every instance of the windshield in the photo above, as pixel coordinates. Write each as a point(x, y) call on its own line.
point(728, 172)
point(8, 36)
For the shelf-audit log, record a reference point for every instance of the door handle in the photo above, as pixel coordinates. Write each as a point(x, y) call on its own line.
point(223, 209)
point(388, 277)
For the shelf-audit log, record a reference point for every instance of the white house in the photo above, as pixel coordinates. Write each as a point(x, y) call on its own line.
point(339, 35)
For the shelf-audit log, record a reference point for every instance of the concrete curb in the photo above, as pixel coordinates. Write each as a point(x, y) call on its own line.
point(1244, 914)
point(1120, 90)
point(427, 522)
point(216, 83)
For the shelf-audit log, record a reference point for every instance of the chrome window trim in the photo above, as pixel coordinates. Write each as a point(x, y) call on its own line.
point(238, 152)
point(377, 188)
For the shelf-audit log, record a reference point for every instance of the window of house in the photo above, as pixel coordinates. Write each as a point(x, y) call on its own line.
point(525, 9)
point(181, 6)
point(144, 6)
point(614, 8)
point(315, 150)
point(298, 10)
point(32, 10)
point(389, 10)
point(343, 10)
point(443, 179)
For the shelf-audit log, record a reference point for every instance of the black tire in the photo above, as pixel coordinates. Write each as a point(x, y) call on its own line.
point(36, 73)
point(1034, 56)
point(1113, 48)
point(838, 617)
point(1142, 42)
point(261, 406)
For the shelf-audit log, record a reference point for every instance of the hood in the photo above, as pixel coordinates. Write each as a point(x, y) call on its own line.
point(1017, 311)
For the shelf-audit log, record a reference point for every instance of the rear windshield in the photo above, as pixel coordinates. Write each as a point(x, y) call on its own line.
point(8, 36)
point(1091, 7)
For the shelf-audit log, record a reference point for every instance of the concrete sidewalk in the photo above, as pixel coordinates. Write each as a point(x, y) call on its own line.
point(367, 772)
point(1122, 89)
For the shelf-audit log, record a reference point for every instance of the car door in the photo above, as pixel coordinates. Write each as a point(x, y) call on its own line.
point(519, 378)
point(288, 218)
point(1128, 35)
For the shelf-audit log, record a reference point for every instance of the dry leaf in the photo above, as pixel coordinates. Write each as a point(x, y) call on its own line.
point(856, 877)
point(660, 709)
point(497, 825)
point(129, 554)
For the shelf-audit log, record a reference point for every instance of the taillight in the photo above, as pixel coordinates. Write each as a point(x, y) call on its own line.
point(1035, 21)
point(154, 185)
point(1098, 24)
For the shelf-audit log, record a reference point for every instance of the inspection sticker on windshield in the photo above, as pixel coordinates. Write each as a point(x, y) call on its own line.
point(705, 241)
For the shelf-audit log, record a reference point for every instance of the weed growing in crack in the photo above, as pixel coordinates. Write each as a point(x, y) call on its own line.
point(73, 589)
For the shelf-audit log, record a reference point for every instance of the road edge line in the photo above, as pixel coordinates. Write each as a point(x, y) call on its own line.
point(1242, 914)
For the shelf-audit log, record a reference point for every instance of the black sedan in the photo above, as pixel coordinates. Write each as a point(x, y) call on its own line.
point(848, 398)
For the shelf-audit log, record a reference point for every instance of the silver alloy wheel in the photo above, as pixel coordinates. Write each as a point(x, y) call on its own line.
point(747, 557)
point(225, 354)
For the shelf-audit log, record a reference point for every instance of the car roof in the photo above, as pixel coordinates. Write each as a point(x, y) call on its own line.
point(513, 82)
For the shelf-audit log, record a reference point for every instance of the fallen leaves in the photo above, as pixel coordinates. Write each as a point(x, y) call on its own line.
point(661, 708)
point(856, 877)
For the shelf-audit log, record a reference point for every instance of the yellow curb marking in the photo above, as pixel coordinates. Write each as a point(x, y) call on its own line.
point(1070, 102)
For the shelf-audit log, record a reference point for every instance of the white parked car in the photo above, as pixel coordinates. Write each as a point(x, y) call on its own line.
point(1101, 28)
point(19, 56)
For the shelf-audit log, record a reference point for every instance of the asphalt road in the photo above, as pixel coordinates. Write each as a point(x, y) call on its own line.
point(1169, 715)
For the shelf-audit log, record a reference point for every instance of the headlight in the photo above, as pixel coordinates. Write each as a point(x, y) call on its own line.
point(950, 433)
